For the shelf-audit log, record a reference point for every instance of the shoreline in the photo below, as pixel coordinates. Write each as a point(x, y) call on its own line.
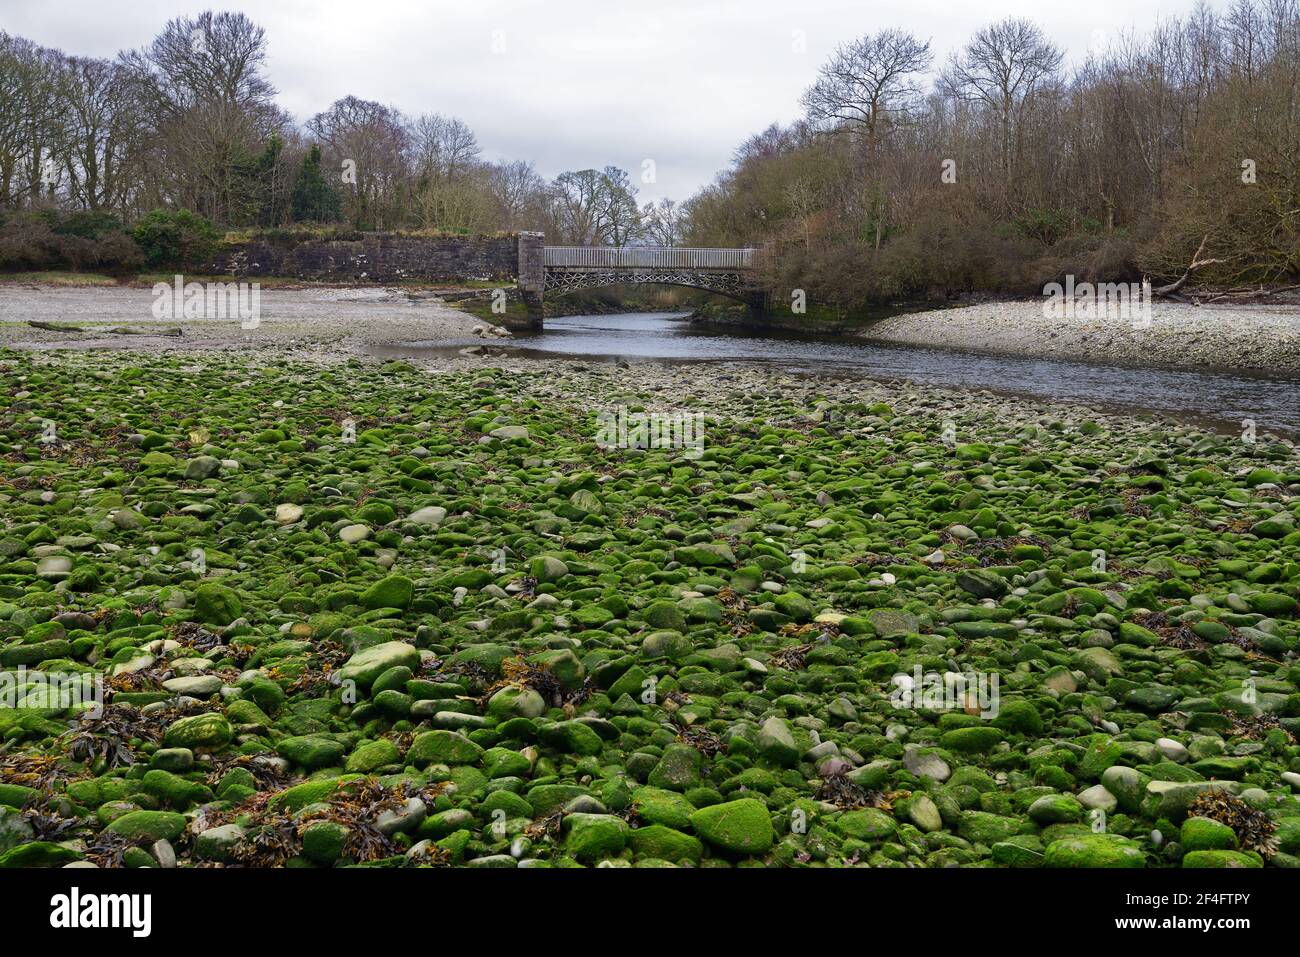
point(731, 391)
point(327, 324)
point(1232, 338)
point(1247, 338)
point(1261, 339)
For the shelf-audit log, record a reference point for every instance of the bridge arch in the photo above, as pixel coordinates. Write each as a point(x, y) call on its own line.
point(727, 272)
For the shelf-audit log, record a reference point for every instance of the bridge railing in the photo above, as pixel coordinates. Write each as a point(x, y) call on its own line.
point(647, 257)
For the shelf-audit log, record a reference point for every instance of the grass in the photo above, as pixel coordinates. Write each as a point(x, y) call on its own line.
point(482, 309)
point(335, 231)
point(54, 278)
point(90, 279)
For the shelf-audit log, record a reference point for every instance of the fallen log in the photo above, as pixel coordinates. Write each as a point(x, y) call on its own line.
point(1196, 263)
point(174, 333)
point(54, 326)
point(1252, 294)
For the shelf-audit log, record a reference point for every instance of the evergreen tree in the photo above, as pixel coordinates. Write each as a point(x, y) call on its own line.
point(314, 199)
point(270, 187)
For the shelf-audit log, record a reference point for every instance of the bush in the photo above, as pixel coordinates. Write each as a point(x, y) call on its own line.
point(87, 225)
point(114, 252)
point(1047, 226)
point(27, 244)
point(1088, 258)
point(175, 238)
point(49, 239)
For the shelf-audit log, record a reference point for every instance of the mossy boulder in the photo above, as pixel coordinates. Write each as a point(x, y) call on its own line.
point(443, 747)
point(1094, 850)
point(663, 843)
point(394, 591)
point(591, 837)
point(149, 825)
point(216, 604)
point(311, 751)
point(1206, 834)
point(1222, 858)
point(740, 827)
point(200, 732)
point(369, 663)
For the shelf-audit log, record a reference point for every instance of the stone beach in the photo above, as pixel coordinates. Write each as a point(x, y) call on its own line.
point(352, 612)
point(1183, 335)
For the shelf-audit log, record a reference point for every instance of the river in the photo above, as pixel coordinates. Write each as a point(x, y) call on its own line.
point(1216, 399)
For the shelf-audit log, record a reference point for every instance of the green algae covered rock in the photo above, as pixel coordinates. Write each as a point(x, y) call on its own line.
point(216, 604)
point(664, 843)
point(1206, 834)
point(369, 663)
point(593, 836)
point(1222, 858)
point(203, 732)
point(737, 827)
point(443, 747)
point(150, 825)
point(1093, 850)
point(532, 651)
point(38, 854)
point(394, 591)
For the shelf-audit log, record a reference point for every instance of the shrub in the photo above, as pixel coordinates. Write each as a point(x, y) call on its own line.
point(175, 238)
point(1048, 226)
point(26, 243)
point(49, 239)
point(87, 225)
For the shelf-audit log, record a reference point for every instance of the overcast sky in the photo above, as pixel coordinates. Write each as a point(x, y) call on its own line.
point(576, 83)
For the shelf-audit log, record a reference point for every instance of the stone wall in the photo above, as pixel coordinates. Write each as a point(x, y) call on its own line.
point(377, 257)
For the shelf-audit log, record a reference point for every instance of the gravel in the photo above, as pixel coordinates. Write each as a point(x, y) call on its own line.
point(341, 318)
point(1265, 338)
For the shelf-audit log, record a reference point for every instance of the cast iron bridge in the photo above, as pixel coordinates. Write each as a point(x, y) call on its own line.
point(728, 272)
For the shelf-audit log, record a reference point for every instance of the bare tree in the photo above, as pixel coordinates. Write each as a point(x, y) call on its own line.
point(663, 222)
point(443, 147)
point(1003, 68)
point(212, 110)
point(107, 133)
point(617, 208)
point(576, 197)
point(31, 123)
point(869, 81)
point(366, 148)
point(450, 184)
point(596, 207)
point(520, 194)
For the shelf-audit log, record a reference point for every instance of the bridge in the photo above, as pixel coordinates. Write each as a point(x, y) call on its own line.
point(724, 271)
point(560, 269)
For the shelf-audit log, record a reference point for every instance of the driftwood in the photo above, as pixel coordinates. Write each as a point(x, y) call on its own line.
point(1251, 293)
point(173, 333)
point(1196, 263)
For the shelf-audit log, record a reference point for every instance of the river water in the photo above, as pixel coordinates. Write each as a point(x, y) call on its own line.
point(1219, 400)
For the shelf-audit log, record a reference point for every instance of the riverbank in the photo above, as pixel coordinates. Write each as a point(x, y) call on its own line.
point(400, 323)
point(1253, 337)
point(333, 318)
point(556, 650)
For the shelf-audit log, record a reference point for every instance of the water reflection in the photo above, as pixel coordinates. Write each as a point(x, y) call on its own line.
point(1219, 399)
